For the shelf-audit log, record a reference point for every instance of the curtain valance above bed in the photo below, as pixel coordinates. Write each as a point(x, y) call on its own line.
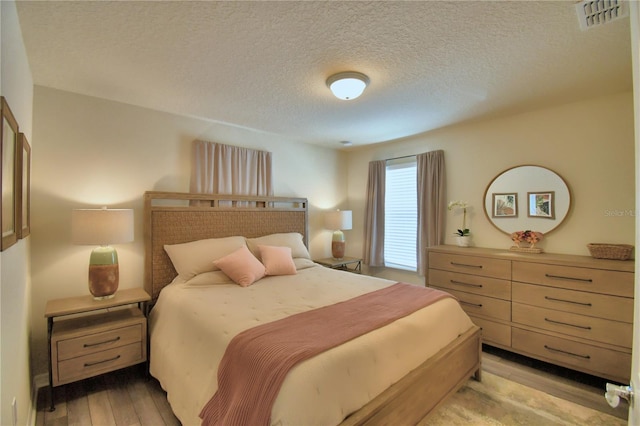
point(225, 169)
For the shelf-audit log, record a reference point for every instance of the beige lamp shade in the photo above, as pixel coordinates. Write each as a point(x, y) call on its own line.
point(101, 227)
point(338, 220)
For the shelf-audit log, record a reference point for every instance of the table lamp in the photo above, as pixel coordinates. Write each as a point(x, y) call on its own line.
point(102, 227)
point(338, 221)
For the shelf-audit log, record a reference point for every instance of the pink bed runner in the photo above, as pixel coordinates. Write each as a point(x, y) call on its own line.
point(257, 360)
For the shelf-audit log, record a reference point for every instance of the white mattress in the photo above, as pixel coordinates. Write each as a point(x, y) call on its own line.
point(191, 325)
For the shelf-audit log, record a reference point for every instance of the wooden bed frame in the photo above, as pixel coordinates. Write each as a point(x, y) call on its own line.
point(173, 218)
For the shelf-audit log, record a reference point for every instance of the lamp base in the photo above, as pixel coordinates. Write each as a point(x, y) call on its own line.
point(337, 245)
point(103, 281)
point(104, 273)
point(337, 249)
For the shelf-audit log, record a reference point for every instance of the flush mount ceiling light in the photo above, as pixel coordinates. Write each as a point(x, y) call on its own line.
point(347, 85)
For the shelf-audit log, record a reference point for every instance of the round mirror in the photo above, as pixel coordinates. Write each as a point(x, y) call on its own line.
point(527, 198)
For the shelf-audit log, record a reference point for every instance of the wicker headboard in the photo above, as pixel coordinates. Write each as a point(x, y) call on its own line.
point(173, 218)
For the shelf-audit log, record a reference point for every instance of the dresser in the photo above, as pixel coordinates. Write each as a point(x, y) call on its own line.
point(569, 310)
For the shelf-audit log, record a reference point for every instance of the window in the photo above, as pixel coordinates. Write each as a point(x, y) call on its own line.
point(401, 214)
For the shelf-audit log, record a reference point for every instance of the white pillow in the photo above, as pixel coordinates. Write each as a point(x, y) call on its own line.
point(293, 240)
point(196, 257)
point(302, 263)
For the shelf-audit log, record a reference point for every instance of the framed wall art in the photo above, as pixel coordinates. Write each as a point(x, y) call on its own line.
point(10, 209)
point(541, 204)
point(505, 205)
point(23, 187)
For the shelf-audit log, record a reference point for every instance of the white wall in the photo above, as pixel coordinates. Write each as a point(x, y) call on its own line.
point(590, 144)
point(15, 285)
point(94, 152)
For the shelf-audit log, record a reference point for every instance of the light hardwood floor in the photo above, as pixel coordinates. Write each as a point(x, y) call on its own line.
point(582, 389)
point(129, 397)
point(126, 397)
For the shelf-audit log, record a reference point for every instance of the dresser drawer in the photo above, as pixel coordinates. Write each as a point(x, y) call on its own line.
point(90, 365)
point(578, 302)
point(98, 342)
point(476, 265)
point(485, 286)
point(493, 332)
point(474, 304)
point(597, 329)
point(614, 283)
point(599, 361)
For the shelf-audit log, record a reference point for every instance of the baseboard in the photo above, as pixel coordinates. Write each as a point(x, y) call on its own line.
point(40, 381)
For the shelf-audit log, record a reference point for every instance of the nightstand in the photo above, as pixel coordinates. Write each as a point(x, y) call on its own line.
point(342, 264)
point(102, 335)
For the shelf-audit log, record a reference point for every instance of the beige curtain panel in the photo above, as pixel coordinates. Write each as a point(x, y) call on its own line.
point(374, 215)
point(431, 204)
point(226, 169)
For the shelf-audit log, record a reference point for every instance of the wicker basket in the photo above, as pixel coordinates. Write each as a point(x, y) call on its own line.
point(610, 251)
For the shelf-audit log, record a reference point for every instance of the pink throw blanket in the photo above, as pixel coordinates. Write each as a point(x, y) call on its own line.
point(257, 360)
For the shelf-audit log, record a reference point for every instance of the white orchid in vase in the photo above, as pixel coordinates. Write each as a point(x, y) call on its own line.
point(454, 205)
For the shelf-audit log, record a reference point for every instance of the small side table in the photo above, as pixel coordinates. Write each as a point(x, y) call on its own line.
point(351, 264)
point(98, 339)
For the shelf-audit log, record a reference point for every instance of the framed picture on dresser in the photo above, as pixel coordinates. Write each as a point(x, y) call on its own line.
point(8, 149)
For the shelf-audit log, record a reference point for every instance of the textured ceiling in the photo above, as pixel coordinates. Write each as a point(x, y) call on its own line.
point(263, 65)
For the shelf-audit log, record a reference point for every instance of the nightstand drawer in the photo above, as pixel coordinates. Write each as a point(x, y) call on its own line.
point(94, 344)
point(98, 342)
point(101, 362)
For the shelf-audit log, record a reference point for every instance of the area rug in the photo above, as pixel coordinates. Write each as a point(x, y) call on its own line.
point(498, 401)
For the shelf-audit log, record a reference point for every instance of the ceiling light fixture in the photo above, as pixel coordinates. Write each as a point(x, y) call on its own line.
point(347, 85)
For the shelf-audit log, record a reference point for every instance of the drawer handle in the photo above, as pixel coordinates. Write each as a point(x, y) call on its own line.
point(477, 305)
point(90, 345)
point(560, 277)
point(549, 348)
point(466, 284)
point(553, 299)
point(584, 327)
point(91, 364)
point(466, 265)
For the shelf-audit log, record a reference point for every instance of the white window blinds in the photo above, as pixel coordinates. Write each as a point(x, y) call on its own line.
point(401, 211)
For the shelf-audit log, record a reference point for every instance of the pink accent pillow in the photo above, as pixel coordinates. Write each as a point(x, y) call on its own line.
point(277, 260)
point(241, 266)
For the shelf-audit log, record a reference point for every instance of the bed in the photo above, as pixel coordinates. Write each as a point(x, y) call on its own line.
point(396, 374)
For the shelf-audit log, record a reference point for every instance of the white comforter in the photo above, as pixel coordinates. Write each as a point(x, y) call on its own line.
point(191, 325)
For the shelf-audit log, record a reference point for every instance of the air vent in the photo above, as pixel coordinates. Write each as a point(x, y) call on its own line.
point(595, 13)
